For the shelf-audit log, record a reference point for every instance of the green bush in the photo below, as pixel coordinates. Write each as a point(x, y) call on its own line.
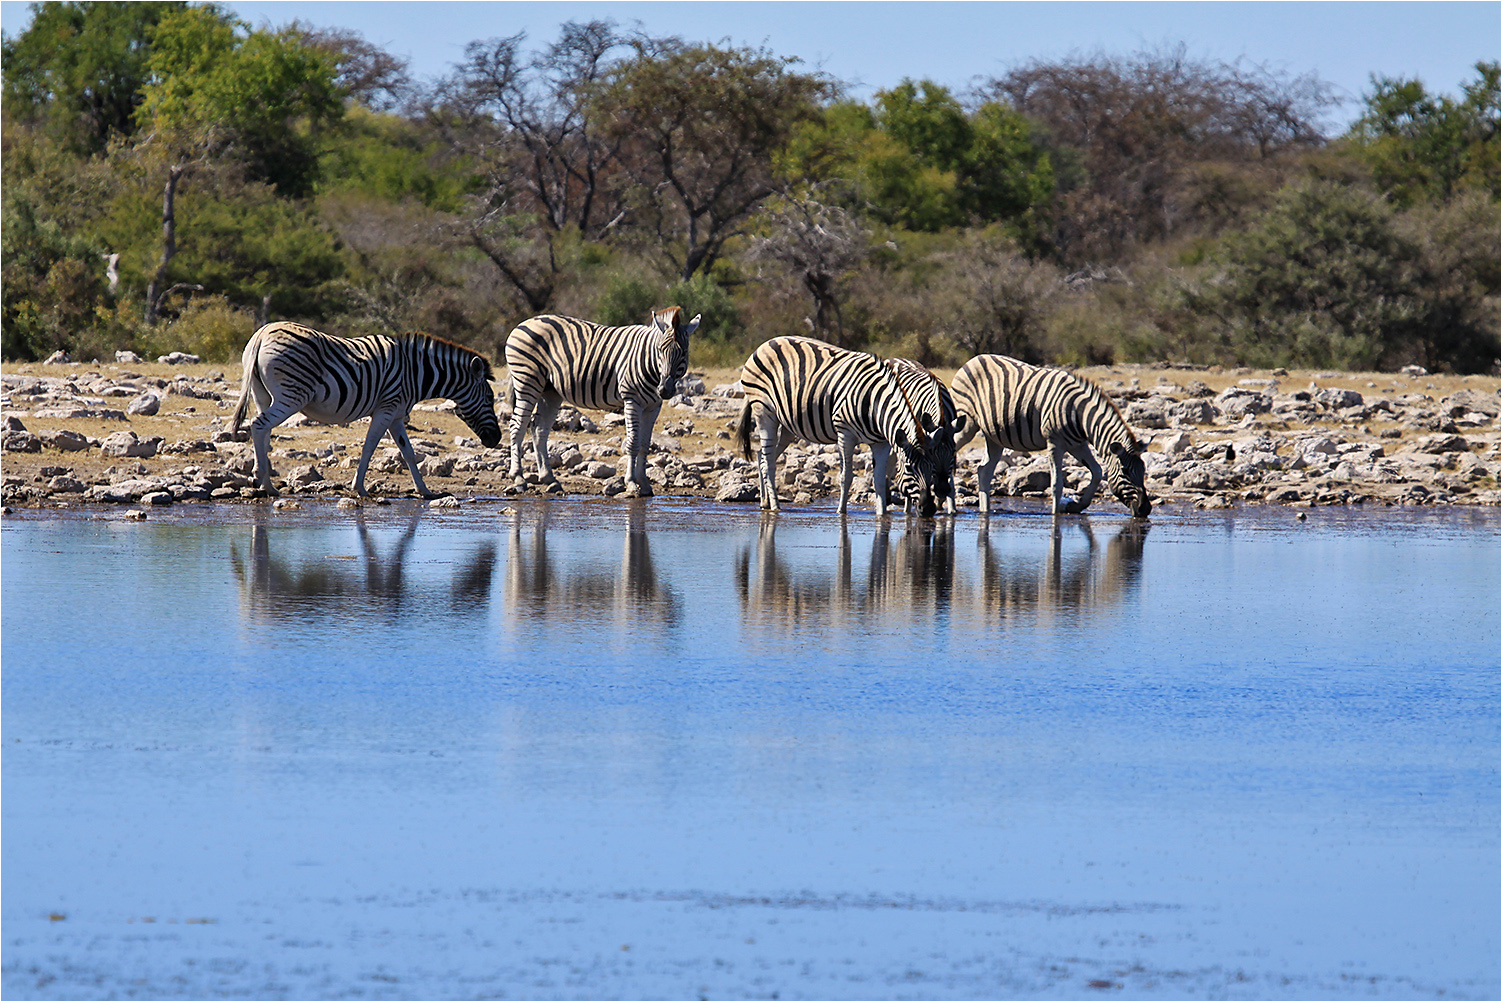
point(209, 327)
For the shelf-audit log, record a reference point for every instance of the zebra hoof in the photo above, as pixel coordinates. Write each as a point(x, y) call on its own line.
point(638, 491)
point(552, 488)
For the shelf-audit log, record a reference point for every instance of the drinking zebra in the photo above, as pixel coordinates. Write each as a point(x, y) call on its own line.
point(1027, 408)
point(554, 360)
point(806, 389)
point(936, 410)
point(290, 368)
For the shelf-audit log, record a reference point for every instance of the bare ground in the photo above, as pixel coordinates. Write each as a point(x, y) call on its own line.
point(1294, 439)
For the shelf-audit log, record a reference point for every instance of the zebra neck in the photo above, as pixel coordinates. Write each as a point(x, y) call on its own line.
point(1100, 421)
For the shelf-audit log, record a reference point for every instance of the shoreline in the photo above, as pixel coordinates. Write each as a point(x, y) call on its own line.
point(155, 434)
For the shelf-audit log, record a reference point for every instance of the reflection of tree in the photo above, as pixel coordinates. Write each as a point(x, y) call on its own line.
point(541, 582)
point(1079, 581)
point(371, 587)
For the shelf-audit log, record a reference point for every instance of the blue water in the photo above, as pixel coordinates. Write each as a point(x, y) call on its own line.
point(595, 749)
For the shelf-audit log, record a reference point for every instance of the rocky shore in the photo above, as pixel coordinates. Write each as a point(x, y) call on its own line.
point(149, 434)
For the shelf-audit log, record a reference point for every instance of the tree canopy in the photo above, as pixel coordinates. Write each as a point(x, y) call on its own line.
point(172, 173)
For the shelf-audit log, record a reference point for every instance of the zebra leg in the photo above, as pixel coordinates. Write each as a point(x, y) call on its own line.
point(398, 429)
point(524, 403)
point(270, 417)
point(881, 451)
point(545, 410)
point(379, 424)
point(770, 443)
point(639, 421)
point(1083, 454)
point(1062, 504)
point(984, 476)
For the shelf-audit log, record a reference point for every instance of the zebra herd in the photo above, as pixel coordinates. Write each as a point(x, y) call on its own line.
point(796, 388)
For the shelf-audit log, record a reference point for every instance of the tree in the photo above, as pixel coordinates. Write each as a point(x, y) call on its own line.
point(698, 126)
point(1420, 146)
point(1325, 280)
point(1139, 125)
point(547, 159)
point(818, 243)
point(79, 69)
point(918, 160)
point(263, 99)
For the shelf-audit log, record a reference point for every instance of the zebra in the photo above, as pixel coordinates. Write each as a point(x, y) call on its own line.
point(554, 360)
point(290, 368)
point(1028, 408)
point(807, 389)
point(936, 410)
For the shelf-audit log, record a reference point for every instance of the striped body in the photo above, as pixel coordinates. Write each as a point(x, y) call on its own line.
point(556, 360)
point(936, 412)
point(1029, 408)
point(806, 389)
point(290, 368)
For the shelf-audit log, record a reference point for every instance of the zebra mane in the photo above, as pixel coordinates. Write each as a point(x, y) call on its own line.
point(887, 367)
point(490, 372)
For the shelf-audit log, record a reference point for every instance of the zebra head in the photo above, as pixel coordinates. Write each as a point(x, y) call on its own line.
point(941, 445)
point(1123, 466)
point(672, 346)
point(476, 402)
point(913, 471)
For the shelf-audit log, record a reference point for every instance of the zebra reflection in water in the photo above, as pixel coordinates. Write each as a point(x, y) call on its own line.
point(546, 584)
point(369, 586)
point(1098, 578)
point(914, 572)
point(918, 573)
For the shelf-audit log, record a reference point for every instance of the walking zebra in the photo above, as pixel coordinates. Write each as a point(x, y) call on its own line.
point(1023, 407)
point(936, 411)
point(554, 360)
point(291, 368)
point(806, 389)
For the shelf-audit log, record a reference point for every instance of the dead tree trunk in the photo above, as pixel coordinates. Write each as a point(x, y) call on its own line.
point(156, 294)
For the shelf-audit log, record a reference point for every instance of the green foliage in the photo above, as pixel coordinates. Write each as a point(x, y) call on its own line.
point(1324, 280)
point(920, 162)
point(262, 98)
point(79, 68)
point(393, 158)
point(51, 280)
point(209, 327)
point(1420, 146)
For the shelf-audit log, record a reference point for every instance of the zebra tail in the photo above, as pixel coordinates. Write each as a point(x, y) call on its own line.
point(248, 364)
point(743, 430)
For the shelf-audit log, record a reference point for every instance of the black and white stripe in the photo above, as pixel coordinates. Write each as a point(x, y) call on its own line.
point(556, 360)
point(1028, 408)
point(806, 389)
point(290, 368)
point(936, 413)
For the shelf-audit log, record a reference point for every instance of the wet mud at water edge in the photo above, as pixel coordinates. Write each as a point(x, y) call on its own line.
point(587, 748)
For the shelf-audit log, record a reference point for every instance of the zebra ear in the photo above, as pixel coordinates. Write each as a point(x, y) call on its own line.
point(927, 421)
point(692, 326)
point(901, 439)
point(479, 367)
point(958, 425)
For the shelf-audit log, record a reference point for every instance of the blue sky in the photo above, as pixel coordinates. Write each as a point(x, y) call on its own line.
point(871, 45)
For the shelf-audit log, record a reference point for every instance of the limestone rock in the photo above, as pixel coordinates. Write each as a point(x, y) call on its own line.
point(146, 404)
point(127, 444)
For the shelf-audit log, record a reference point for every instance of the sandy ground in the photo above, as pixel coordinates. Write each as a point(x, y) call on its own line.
point(1413, 439)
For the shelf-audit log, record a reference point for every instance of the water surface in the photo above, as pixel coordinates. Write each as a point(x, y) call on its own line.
point(663, 749)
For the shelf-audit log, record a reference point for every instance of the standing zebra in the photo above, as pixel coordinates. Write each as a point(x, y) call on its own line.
point(936, 410)
point(291, 368)
point(554, 360)
point(810, 390)
point(1023, 407)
